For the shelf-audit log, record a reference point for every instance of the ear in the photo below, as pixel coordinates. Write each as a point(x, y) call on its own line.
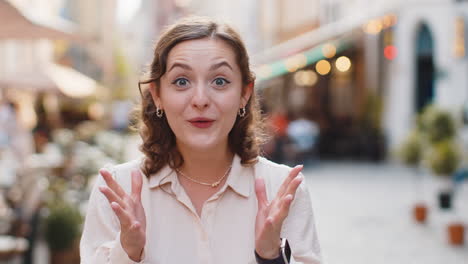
point(247, 93)
point(154, 95)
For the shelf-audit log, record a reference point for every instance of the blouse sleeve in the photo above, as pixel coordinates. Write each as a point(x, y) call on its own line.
point(100, 241)
point(299, 229)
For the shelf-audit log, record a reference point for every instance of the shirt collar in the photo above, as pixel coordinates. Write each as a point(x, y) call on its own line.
point(240, 179)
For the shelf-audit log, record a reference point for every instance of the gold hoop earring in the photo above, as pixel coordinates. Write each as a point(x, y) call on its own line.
point(159, 112)
point(242, 112)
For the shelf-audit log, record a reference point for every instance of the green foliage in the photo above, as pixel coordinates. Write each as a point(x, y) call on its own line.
point(411, 150)
point(444, 158)
point(372, 113)
point(437, 124)
point(63, 226)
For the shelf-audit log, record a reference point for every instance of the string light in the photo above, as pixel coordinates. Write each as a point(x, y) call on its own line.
point(323, 67)
point(329, 50)
point(296, 62)
point(343, 64)
point(305, 78)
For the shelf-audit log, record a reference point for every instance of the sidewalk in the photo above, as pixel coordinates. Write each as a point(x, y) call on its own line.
point(363, 216)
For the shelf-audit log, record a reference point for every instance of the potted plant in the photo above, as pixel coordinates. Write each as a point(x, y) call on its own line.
point(437, 124)
point(443, 160)
point(438, 127)
point(410, 154)
point(62, 231)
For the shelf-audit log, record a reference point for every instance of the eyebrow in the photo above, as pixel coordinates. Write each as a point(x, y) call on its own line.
point(220, 64)
point(181, 65)
point(213, 67)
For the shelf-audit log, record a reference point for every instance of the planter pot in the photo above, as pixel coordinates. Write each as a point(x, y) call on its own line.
point(456, 234)
point(420, 213)
point(445, 200)
point(68, 256)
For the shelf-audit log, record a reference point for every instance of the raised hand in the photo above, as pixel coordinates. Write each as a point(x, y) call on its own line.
point(270, 216)
point(129, 211)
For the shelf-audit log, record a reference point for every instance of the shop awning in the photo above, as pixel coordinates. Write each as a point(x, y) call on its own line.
point(71, 82)
point(308, 48)
point(18, 25)
point(299, 60)
point(52, 78)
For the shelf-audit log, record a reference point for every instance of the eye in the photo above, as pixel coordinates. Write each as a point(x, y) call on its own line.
point(221, 82)
point(181, 82)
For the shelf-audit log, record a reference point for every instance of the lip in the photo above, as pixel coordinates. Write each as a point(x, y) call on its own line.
point(201, 122)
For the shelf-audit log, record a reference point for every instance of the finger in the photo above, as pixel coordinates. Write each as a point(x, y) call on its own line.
point(261, 192)
point(112, 183)
point(286, 202)
point(111, 196)
point(124, 218)
point(137, 183)
point(292, 188)
point(292, 175)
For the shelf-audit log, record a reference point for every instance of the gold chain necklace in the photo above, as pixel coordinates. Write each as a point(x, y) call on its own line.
point(206, 183)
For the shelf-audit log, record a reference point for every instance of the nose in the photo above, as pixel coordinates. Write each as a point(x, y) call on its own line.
point(200, 99)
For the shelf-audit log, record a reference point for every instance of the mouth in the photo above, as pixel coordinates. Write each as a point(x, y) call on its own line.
point(201, 122)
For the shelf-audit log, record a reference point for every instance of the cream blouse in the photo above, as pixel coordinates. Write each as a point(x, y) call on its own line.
point(225, 232)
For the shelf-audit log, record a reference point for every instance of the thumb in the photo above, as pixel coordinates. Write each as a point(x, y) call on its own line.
point(261, 192)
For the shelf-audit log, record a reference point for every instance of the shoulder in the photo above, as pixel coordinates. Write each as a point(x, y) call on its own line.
point(122, 172)
point(268, 169)
point(273, 174)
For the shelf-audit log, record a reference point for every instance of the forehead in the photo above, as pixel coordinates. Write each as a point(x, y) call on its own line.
point(202, 50)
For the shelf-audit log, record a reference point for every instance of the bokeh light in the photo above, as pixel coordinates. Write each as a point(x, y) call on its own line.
point(343, 64)
point(305, 78)
point(296, 62)
point(373, 27)
point(390, 52)
point(329, 50)
point(323, 67)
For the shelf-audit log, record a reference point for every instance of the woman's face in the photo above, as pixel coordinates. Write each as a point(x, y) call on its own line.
point(201, 93)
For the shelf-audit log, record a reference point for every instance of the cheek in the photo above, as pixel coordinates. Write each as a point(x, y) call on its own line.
point(173, 107)
point(229, 104)
point(229, 108)
point(172, 102)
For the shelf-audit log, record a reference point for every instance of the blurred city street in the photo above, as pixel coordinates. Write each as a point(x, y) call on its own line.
point(363, 216)
point(374, 91)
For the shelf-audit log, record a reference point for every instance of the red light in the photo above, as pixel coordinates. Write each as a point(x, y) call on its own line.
point(390, 52)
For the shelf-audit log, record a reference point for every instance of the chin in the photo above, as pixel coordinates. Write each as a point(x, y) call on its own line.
point(202, 143)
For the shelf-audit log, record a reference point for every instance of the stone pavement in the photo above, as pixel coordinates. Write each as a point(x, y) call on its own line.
point(363, 216)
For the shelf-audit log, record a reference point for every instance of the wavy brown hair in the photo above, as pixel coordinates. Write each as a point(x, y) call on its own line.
point(159, 142)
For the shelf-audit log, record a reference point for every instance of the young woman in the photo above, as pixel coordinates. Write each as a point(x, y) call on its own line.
point(201, 194)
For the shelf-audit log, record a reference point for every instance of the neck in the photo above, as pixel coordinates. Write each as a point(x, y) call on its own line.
point(206, 165)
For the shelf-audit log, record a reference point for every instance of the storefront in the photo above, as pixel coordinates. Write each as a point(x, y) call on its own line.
point(328, 83)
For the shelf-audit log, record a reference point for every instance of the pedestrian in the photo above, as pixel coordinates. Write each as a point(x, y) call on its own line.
point(201, 193)
point(303, 133)
point(279, 122)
